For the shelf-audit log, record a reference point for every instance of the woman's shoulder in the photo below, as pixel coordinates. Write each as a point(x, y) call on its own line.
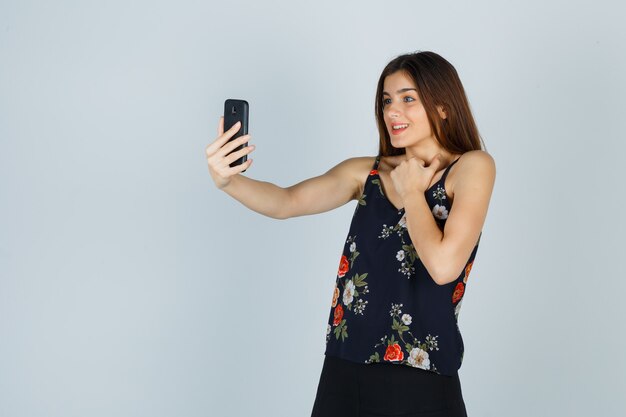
point(360, 165)
point(477, 156)
point(360, 168)
point(474, 162)
point(472, 166)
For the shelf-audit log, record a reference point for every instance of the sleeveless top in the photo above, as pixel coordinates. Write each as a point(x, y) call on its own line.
point(385, 305)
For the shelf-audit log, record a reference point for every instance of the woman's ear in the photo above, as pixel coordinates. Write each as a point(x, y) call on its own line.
point(442, 112)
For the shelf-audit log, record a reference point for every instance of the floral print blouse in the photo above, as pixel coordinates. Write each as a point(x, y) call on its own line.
point(385, 305)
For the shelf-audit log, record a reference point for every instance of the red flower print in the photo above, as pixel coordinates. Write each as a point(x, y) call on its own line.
point(343, 266)
point(458, 292)
point(468, 268)
point(394, 353)
point(338, 315)
point(335, 296)
point(374, 172)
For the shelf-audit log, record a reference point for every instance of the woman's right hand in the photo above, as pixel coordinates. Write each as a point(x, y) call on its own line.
point(218, 157)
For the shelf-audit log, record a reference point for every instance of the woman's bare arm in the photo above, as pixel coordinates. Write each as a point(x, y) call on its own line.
point(332, 189)
point(325, 192)
point(444, 254)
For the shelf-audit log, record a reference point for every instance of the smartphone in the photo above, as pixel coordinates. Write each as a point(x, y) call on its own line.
point(236, 110)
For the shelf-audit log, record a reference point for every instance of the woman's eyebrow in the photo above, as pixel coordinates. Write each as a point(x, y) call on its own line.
point(402, 90)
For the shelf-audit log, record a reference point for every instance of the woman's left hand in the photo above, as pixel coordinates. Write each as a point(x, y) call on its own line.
point(411, 175)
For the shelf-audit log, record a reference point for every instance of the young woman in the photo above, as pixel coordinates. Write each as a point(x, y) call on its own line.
point(393, 345)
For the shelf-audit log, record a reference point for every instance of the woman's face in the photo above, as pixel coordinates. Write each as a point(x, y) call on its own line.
point(402, 107)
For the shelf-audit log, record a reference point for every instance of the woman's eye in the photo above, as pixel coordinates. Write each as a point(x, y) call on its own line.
point(385, 101)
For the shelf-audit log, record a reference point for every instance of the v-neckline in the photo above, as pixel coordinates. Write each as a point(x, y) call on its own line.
point(384, 193)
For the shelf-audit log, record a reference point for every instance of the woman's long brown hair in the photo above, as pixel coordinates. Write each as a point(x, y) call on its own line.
point(437, 84)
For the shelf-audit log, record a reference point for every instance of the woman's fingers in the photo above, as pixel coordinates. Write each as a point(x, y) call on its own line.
point(220, 126)
point(222, 138)
point(224, 156)
point(226, 171)
point(230, 146)
point(237, 169)
point(220, 154)
point(236, 155)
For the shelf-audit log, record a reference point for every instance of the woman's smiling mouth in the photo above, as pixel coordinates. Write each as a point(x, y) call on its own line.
point(397, 128)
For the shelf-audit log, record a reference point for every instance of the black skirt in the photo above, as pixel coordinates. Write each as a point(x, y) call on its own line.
point(350, 389)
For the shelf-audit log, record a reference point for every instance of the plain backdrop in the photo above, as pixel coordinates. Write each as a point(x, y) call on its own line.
point(131, 286)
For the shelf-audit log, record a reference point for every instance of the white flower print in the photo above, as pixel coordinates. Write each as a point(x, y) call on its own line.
point(407, 269)
point(407, 319)
point(400, 255)
point(439, 193)
point(328, 328)
point(402, 221)
point(348, 292)
point(395, 309)
point(431, 342)
point(360, 306)
point(386, 232)
point(419, 358)
point(457, 309)
point(440, 212)
point(352, 247)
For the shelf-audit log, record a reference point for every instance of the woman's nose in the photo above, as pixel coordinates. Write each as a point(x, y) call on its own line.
point(392, 112)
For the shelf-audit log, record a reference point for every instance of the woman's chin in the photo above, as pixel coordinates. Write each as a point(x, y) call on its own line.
point(396, 142)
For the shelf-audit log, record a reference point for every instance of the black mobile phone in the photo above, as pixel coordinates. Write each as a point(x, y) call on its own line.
point(236, 110)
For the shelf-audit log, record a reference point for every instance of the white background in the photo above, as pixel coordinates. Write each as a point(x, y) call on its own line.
point(131, 286)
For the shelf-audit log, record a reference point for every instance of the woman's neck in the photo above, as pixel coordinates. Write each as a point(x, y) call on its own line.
point(427, 153)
